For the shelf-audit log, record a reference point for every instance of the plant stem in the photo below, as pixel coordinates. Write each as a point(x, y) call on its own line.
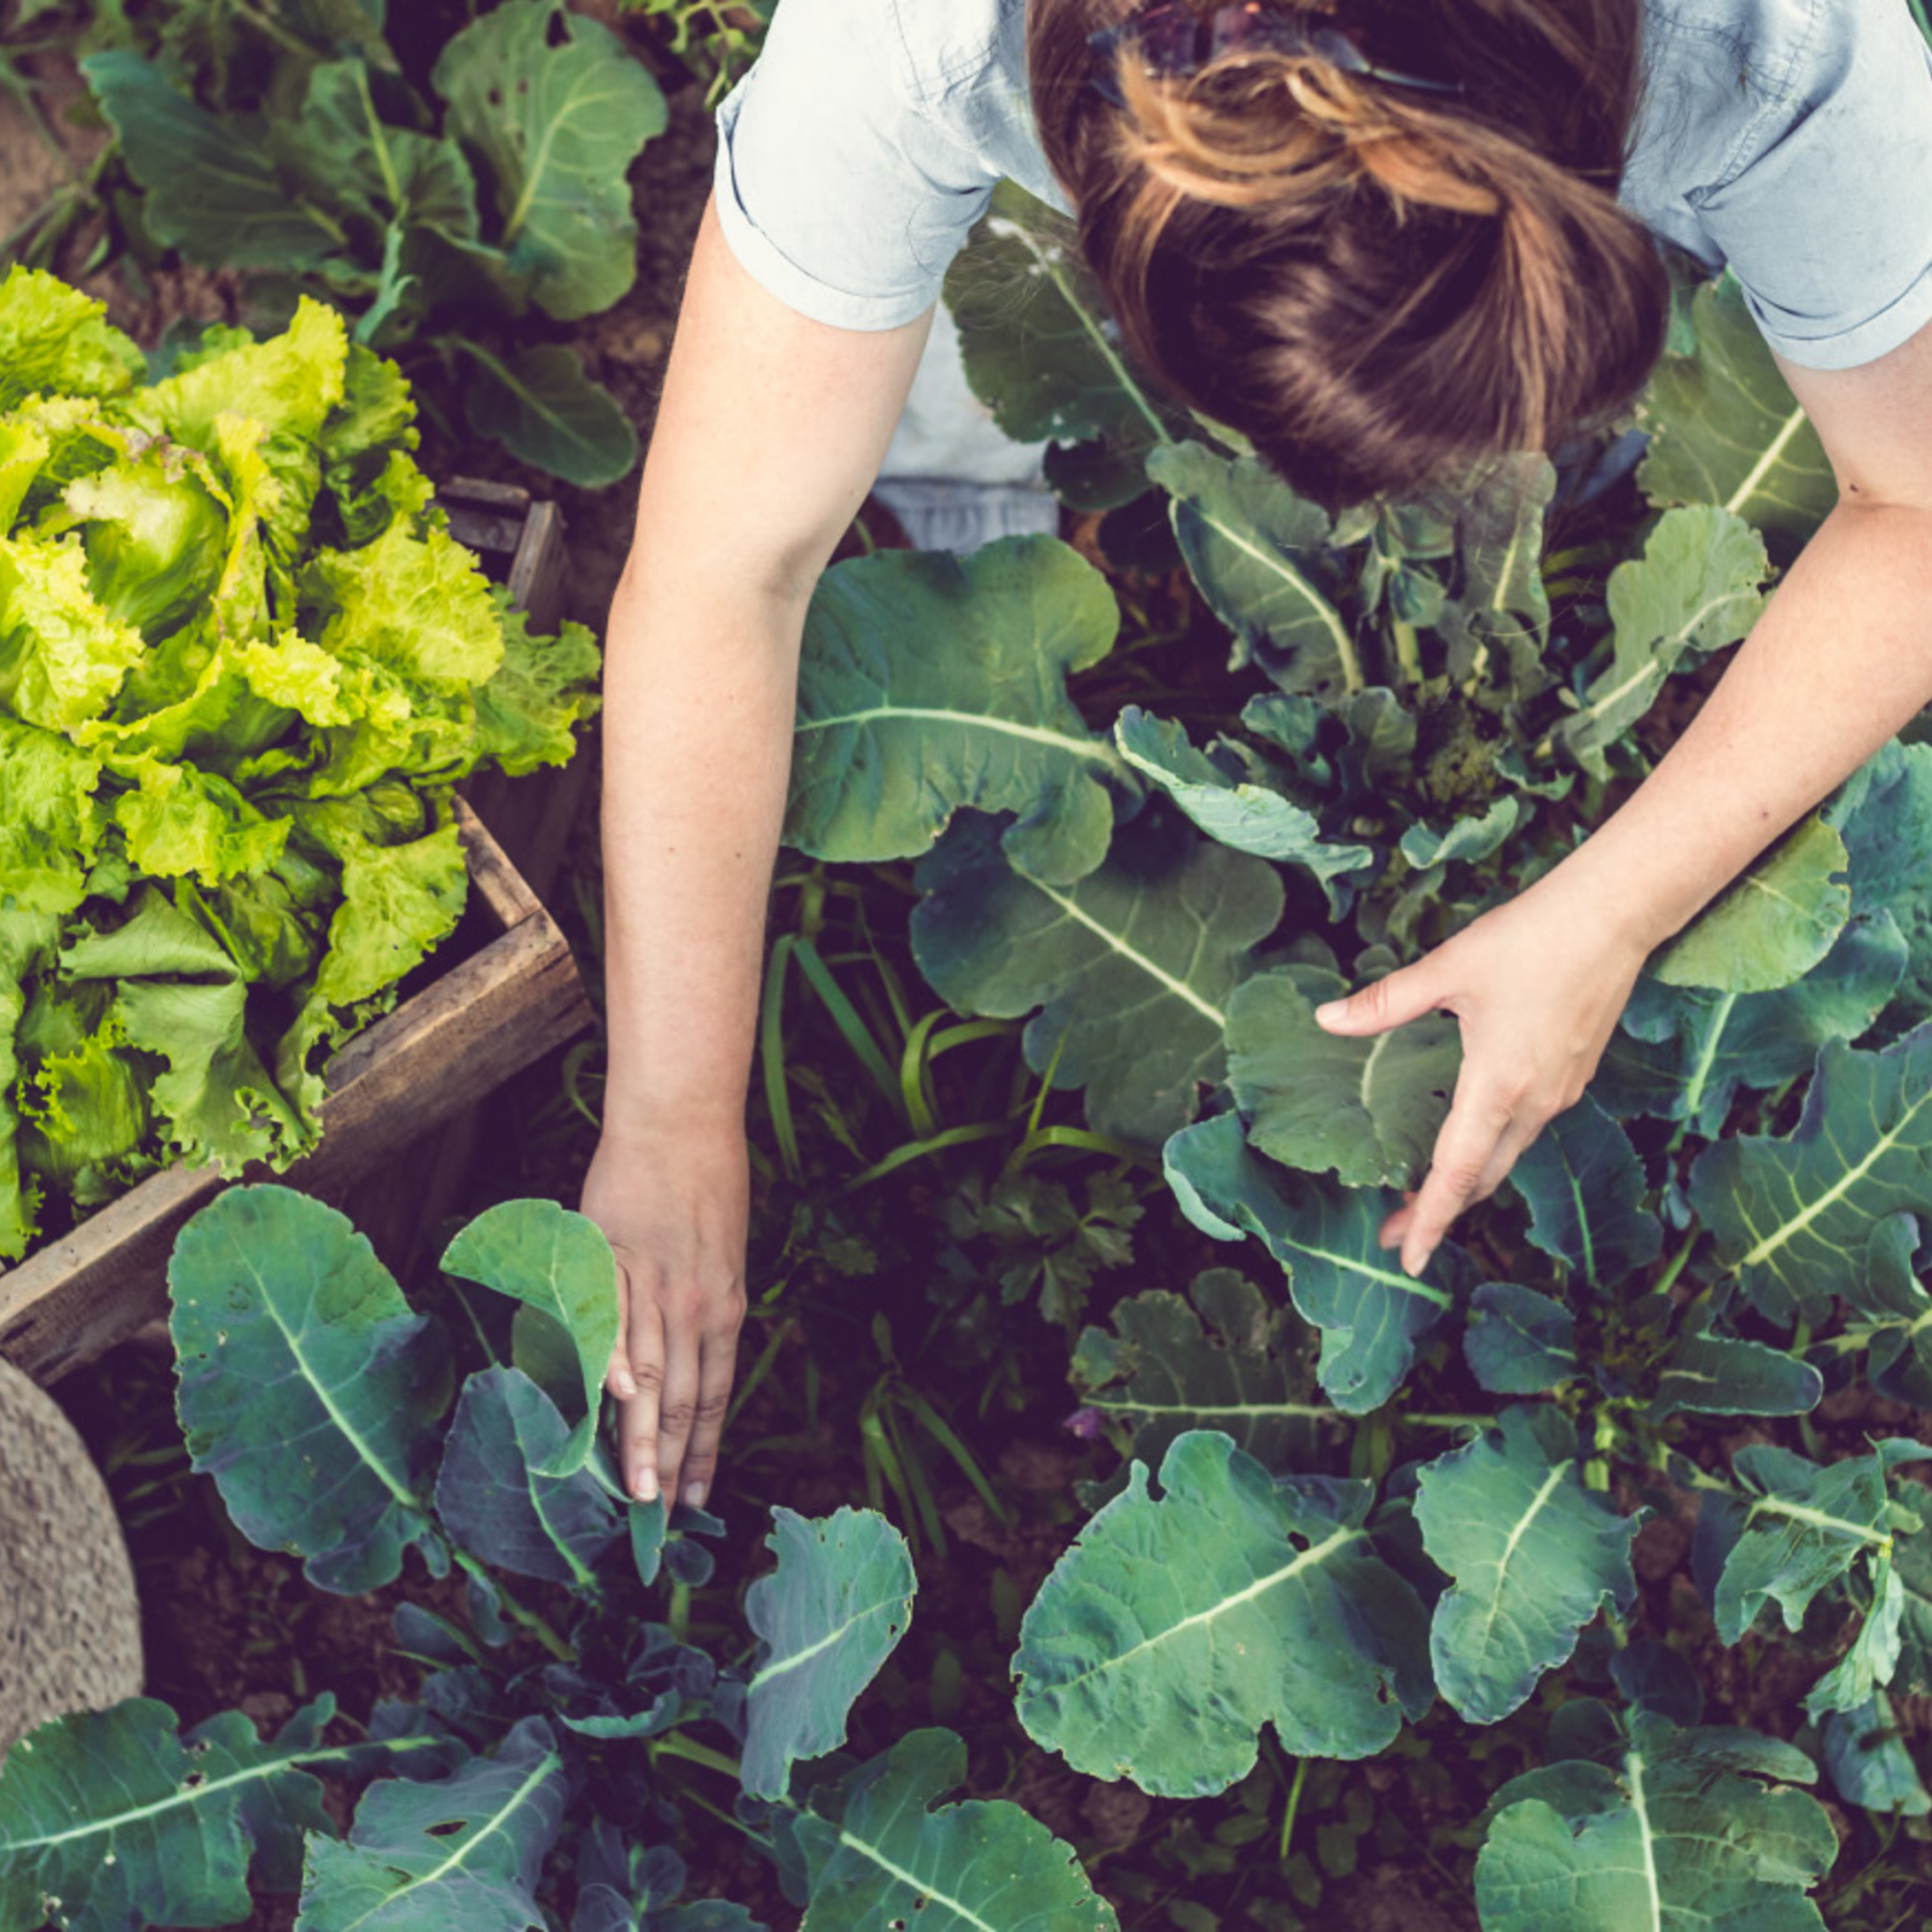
point(1408, 651)
point(674, 1744)
point(538, 1625)
point(1675, 1267)
point(1293, 1806)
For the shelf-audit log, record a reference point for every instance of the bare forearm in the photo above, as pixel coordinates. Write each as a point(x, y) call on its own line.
point(700, 687)
point(1840, 658)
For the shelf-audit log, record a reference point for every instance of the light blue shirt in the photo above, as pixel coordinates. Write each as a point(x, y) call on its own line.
point(1791, 138)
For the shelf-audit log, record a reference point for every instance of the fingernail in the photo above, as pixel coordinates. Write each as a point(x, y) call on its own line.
point(645, 1487)
point(694, 1494)
point(1333, 1011)
point(625, 1388)
point(1421, 1262)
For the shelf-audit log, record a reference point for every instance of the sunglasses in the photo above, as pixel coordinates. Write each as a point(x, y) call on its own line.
point(1176, 42)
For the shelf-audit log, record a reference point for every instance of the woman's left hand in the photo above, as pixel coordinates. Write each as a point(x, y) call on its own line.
point(1537, 984)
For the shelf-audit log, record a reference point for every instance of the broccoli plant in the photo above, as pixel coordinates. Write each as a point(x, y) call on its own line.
point(1377, 1491)
point(535, 1780)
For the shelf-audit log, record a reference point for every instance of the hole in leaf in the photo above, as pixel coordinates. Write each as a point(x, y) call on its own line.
point(443, 1830)
point(558, 35)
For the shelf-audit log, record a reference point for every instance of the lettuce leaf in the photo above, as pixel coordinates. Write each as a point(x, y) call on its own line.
point(417, 604)
point(180, 821)
point(398, 901)
point(54, 339)
point(528, 715)
point(50, 827)
point(62, 657)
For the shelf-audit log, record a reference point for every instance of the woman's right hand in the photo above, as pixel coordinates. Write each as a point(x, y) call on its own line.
point(673, 1203)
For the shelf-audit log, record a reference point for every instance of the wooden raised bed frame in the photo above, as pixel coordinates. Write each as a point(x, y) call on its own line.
point(405, 1095)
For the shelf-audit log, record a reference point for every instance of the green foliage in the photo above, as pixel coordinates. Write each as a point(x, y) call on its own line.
point(242, 666)
point(1431, 711)
point(717, 40)
point(295, 149)
point(529, 1760)
point(1675, 1827)
point(1173, 1629)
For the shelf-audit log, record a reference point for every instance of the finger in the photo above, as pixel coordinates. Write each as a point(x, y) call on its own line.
point(1399, 1219)
point(1476, 1122)
point(716, 1369)
point(1402, 996)
point(1510, 1151)
point(618, 1380)
point(678, 1409)
point(639, 1417)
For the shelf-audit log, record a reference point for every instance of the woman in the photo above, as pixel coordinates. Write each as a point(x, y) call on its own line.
point(1377, 252)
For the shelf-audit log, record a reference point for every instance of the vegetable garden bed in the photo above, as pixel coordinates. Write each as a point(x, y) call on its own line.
point(473, 1024)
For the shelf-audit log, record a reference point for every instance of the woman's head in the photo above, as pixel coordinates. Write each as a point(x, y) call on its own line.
point(1378, 285)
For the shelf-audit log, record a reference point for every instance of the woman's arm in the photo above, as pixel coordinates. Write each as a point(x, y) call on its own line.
point(770, 431)
point(1840, 658)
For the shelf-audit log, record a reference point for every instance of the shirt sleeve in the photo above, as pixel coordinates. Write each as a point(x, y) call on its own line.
point(836, 188)
point(1827, 222)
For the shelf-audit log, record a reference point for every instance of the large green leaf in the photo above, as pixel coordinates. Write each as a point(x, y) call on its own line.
point(1370, 1314)
point(1259, 554)
point(1873, 1659)
point(1803, 1527)
point(1232, 1360)
point(463, 1853)
point(928, 682)
point(494, 1502)
point(1501, 609)
point(1133, 966)
point(1040, 349)
point(1534, 1555)
point(1172, 1630)
point(1794, 1215)
point(1683, 1053)
point(1780, 917)
point(829, 1616)
point(211, 187)
point(1585, 1186)
point(1894, 1300)
point(123, 1819)
point(1710, 1374)
point(1725, 429)
point(1676, 1833)
point(349, 156)
point(307, 1388)
point(1366, 1110)
point(1519, 1342)
point(1695, 589)
point(1235, 812)
point(1865, 1753)
point(541, 407)
point(1884, 810)
point(1912, 1564)
point(558, 109)
point(560, 1262)
point(877, 1853)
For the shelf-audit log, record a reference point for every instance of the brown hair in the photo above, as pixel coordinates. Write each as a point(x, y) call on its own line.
point(1379, 286)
